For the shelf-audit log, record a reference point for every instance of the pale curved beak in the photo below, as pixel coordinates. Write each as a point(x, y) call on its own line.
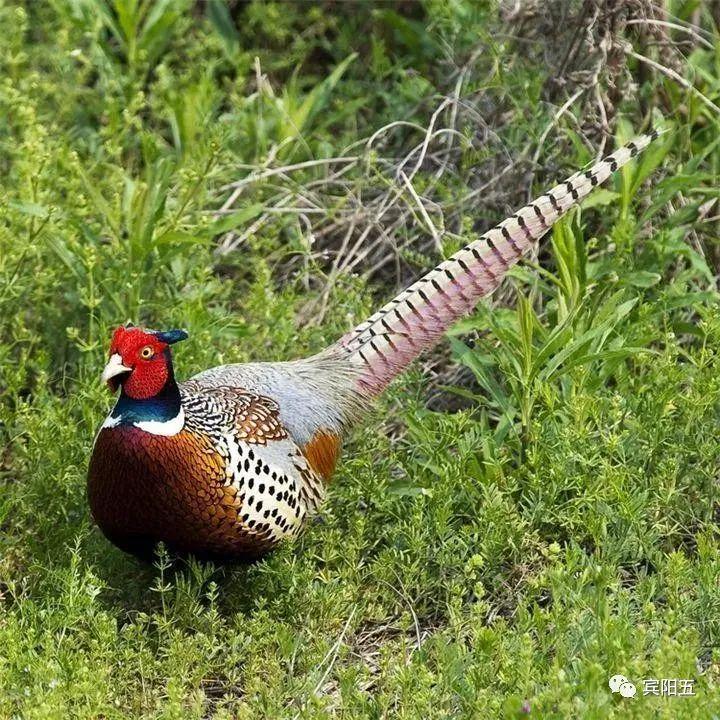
point(114, 367)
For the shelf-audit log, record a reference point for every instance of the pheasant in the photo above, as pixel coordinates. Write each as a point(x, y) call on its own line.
point(235, 460)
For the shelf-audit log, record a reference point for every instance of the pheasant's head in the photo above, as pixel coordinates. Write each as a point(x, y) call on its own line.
point(140, 361)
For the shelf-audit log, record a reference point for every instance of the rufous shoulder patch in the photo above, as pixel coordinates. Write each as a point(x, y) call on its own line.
point(322, 452)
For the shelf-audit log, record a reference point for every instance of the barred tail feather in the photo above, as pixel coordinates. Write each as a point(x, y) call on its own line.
point(387, 342)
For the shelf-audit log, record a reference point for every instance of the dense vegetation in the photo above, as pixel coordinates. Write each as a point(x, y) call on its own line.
point(500, 539)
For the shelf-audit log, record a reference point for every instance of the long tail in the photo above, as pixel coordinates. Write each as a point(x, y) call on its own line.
point(387, 342)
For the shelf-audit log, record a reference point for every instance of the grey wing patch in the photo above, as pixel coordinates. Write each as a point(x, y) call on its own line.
point(312, 394)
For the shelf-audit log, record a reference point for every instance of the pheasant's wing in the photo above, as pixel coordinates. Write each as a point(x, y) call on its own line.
point(276, 487)
point(313, 396)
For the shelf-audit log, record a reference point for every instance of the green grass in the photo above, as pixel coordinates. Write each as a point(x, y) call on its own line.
point(503, 559)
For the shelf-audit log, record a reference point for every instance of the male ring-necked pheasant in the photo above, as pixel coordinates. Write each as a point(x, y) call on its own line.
point(234, 460)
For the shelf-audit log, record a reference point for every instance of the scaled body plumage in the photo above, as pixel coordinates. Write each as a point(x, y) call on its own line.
point(233, 461)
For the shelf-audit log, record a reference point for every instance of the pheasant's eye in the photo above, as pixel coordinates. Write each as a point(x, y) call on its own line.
point(146, 353)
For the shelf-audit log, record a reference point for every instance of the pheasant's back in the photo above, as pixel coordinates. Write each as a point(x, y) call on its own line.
point(232, 483)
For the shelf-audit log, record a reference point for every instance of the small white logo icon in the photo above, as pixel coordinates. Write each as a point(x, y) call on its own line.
point(620, 684)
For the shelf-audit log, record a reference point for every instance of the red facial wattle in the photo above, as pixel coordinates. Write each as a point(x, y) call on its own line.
point(147, 378)
point(139, 362)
